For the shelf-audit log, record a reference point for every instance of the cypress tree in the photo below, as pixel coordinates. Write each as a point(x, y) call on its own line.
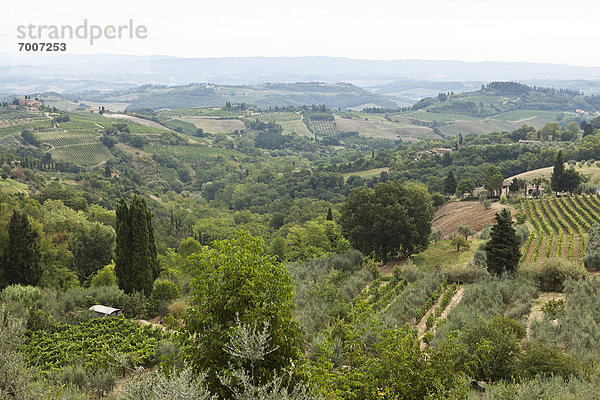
point(136, 262)
point(502, 250)
point(557, 178)
point(329, 215)
point(22, 258)
point(450, 183)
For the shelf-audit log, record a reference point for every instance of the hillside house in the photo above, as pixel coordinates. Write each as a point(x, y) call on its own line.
point(442, 150)
point(423, 154)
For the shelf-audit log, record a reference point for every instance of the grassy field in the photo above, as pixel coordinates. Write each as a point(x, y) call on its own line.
point(444, 253)
point(367, 173)
point(8, 186)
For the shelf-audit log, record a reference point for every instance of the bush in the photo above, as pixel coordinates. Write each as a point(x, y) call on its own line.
point(492, 348)
point(554, 309)
point(464, 273)
point(178, 308)
point(21, 294)
point(104, 277)
point(551, 273)
point(539, 359)
point(163, 293)
point(135, 305)
point(522, 232)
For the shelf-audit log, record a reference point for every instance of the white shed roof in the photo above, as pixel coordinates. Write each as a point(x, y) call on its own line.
point(103, 309)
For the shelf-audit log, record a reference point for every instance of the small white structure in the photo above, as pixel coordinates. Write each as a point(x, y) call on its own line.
point(104, 311)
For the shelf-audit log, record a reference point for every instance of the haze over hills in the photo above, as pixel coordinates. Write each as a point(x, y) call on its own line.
point(405, 81)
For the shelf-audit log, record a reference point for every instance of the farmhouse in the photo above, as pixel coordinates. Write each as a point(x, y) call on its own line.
point(441, 150)
point(103, 311)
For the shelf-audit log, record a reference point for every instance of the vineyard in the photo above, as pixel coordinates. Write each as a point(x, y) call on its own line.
point(559, 226)
point(82, 154)
point(79, 149)
point(92, 344)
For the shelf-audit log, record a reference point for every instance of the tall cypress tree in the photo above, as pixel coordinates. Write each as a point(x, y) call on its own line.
point(136, 262)
point(450, 183)
point(22, 258)
point(557, 178)
point(502, 250)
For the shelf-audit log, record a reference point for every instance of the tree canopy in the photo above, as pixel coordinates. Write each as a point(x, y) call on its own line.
point(389, 218)
point(235, 282)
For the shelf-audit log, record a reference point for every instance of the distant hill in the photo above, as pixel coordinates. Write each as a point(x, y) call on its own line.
point(499, 97)
point(404, 80)
point(338, 95)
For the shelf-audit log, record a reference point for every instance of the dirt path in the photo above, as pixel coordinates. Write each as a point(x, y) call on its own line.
point(536, 313)
point(456, 298)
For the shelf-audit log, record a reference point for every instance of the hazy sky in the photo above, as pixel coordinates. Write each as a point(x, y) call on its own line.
point(471, 30)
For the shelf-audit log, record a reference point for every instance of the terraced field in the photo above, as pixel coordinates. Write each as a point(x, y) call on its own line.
point(560, 226)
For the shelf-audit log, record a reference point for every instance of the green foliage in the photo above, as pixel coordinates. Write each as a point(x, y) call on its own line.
point(554, 308)
point(492, 348)
point(551, 273)
point(502, 250)
point(592, 249)
point(539, 359)
point(577, 330)
point(465, 186)
point(163, 293)
point(136, 263)
point(489, 297)
point(390, 218)
point(235, 281)
point(450, 183)
point(157, 385)
point(70, 344)
point(104, 277)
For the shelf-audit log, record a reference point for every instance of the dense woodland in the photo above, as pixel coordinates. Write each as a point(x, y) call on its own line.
point(285, 266)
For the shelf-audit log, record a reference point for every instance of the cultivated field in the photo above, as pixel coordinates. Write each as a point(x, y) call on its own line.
point(559, 226)
point(470, 213)
point(214, 125)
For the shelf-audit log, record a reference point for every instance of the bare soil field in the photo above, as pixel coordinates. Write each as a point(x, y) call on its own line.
point(470, 213)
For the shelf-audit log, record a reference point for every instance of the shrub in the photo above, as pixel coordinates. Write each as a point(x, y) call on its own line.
point(464, 272)
point(20, 293)
point(178, 308)
point(554, 309)
point(492, 347)
point(163, 293)
point(539, 359)
point(522, 232)
point(551, 273)
point(135, 305)
point(104, 277)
